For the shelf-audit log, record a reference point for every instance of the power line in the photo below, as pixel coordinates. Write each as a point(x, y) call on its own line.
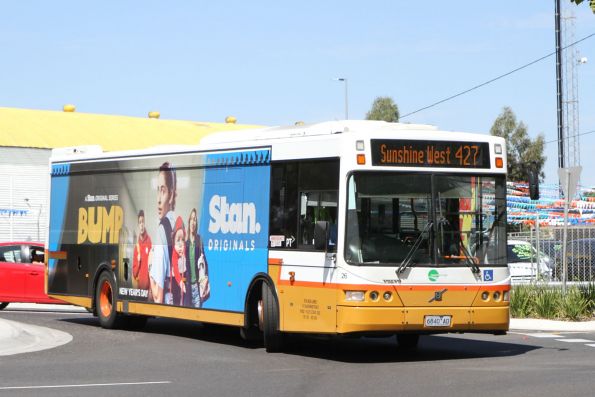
point(494, 79)
point(573, 136)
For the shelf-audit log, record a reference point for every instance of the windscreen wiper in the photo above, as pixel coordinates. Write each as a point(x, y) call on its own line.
point(470, 260)
point(413, 249)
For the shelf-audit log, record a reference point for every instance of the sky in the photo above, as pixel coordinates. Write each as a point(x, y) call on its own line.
point(273, 62)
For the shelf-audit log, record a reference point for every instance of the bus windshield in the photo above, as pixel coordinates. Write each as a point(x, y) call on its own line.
point(413, 219)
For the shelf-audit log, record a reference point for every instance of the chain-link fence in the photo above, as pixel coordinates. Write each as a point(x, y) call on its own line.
point(546, 263)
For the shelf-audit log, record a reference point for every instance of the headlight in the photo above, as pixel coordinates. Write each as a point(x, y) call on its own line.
point(354, 296)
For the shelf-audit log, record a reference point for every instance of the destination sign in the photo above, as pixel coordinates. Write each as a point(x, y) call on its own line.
point(440, 154)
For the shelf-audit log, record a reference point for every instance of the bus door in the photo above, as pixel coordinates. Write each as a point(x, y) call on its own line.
point(303, 237)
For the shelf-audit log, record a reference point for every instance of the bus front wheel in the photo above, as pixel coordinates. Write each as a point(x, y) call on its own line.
point(269, 313)
point(105, 302)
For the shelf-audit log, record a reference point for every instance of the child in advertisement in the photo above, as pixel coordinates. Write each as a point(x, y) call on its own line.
point(198, 282)
point(177, 273)
point(140, 258)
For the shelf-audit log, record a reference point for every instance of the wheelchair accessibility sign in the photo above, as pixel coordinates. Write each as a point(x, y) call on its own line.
point(488, 275)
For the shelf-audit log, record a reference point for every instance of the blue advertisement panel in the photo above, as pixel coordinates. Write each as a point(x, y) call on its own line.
point(58, 200)
point(234, 228)
point(187, 229)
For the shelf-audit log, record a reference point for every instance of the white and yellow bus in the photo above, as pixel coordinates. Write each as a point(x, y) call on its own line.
point(354, 227)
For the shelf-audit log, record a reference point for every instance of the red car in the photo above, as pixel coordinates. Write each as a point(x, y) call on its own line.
point(22, 274)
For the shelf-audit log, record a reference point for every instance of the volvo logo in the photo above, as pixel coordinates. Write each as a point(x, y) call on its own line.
point(438, 296)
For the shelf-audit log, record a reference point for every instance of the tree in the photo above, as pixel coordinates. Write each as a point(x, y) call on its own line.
point(522, 151)
point(591, 4)
point(384, 108)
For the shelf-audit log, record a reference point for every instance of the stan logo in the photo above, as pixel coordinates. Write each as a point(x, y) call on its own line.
point(234, 218)
point(438, 296)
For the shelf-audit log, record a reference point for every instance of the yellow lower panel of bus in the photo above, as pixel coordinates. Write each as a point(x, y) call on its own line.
point(207, 316)
point(75, 300)
point(490, 318)
point(362, 319)
point(307, 309)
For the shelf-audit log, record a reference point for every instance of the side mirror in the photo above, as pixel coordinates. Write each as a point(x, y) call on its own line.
point(321, 235)
point(534, 183)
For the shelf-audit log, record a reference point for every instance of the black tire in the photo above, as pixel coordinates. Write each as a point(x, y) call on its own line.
point(251, 335)
point(105, 302)
point(273, 338)
point(251, 332)
point(408, 342)
point(3, 305)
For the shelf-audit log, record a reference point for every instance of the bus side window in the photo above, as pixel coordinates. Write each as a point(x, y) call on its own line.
point(284, 205)
point(317, 207)
point(318, 188)
point(303, 193)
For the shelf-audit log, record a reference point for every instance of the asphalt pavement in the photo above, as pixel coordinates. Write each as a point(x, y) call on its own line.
point(17, 337)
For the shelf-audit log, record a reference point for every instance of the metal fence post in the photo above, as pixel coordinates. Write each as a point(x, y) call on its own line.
point(538, 249)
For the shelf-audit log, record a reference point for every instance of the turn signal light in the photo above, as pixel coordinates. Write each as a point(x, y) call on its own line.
point(361, 159)
point(499, 162)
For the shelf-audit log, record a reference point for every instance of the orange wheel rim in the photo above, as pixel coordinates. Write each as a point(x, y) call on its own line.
point(105, 299)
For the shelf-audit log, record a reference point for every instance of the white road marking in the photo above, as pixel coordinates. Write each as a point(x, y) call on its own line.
point(591, 344)
point(543, 335)
point(576, 340)
point(84, 385)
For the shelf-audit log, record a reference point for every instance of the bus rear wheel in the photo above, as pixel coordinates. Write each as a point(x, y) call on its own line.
point(269, 320)
point(105, 301)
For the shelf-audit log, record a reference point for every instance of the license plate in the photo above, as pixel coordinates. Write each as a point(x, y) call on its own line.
point(437, 321)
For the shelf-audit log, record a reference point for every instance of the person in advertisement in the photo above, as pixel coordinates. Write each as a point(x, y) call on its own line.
point(162, 250)
point(199, 287)
point(140, 258)
point(178, 277)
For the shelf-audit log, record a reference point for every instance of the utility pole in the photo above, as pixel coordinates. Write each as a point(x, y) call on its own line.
point(559, 88)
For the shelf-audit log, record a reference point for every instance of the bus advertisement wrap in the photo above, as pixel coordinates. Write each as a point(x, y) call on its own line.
point(184, 230)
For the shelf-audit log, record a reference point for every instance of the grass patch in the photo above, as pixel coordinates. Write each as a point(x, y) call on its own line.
point(574, 306)
point(520, 301)
point(547, 302)
point(543, 301)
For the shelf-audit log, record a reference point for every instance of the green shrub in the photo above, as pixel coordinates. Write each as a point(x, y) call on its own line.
point(547, 301)
point(521, 297)
point(588, 292)
point(574, 306)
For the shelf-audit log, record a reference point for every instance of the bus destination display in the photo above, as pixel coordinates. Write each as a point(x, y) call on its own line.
point(440, 154)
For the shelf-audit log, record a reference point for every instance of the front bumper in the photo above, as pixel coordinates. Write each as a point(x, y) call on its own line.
point(399, 319)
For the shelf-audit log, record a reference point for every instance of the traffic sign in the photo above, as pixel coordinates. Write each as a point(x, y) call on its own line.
point(569, 179)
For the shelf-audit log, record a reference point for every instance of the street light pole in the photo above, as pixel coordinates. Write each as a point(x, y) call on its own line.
point(344, 80)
